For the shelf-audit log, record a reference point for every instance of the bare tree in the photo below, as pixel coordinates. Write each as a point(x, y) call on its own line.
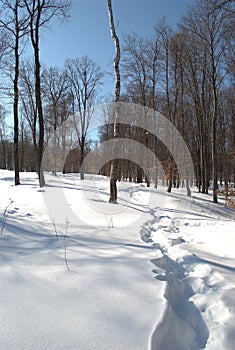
point(28, 105)
point(135, 69)
point(164, 33)
point(14, 19)
point(84, 77)
point(114, 163)
point(41, 13)
point(56, 96)
point(141, 70)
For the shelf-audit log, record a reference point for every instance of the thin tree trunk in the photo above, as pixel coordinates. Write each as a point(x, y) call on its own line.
point(22, 157)
point(16, 118)
point(40, 116)
point(214, 151)
point(55, 145)
point(35, 44)
point(114, 163)
point(4, 154)
point(82, 155)
point(213, 125)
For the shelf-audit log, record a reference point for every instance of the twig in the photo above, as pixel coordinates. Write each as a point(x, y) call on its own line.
point(65, 246)
point(54, 225)
point(5, 215)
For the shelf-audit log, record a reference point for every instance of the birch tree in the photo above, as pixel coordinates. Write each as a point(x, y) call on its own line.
point(114, 163)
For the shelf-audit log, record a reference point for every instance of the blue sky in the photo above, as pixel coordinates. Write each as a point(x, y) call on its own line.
point(87, 31)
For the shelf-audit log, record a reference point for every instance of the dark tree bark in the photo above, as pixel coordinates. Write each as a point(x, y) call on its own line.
point(15, 23)
point(41, 12)
point(35, 13)
point(15, 107)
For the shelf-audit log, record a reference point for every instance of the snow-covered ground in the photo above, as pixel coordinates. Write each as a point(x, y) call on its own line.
point(156, 271)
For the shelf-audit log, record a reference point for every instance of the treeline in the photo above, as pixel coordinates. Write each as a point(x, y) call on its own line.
point(186, 74)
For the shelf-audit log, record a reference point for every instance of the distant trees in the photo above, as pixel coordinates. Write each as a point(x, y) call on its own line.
point(186, 74)
point(58, 105)
point(205, 25)
point(28, 105)
point(84, 78)
point(140, 70)
point(70, 91)
point(24, 19)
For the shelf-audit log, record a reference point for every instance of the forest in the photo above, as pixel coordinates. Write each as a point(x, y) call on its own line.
point(117, 202)
point(186, 74)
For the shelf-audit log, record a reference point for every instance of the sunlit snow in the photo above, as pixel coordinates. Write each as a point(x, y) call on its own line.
point(156, 271)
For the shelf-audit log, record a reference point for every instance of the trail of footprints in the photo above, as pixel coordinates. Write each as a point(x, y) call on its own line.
point(207, 284)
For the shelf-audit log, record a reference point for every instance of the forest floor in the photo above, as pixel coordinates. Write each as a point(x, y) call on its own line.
point(155, 271)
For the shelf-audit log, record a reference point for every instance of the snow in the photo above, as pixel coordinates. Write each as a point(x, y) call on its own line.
point(156, 271)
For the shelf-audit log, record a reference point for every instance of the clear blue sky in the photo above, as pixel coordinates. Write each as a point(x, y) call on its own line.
point(87, 31)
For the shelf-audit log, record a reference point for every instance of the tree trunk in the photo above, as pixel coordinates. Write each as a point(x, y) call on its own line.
point(188, 188)
point(114, 163)
point(35, 43)
point(169, 185)
point(40, 118)
point(4, 153)
point(82, 146)
point(214, 138)
point(139, 178)
point(55, 147)
point(22, 156)
point(16, 118)
point(214, 156)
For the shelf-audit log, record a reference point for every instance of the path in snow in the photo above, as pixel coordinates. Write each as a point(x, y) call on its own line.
point(199, 313)
point(182, 323)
